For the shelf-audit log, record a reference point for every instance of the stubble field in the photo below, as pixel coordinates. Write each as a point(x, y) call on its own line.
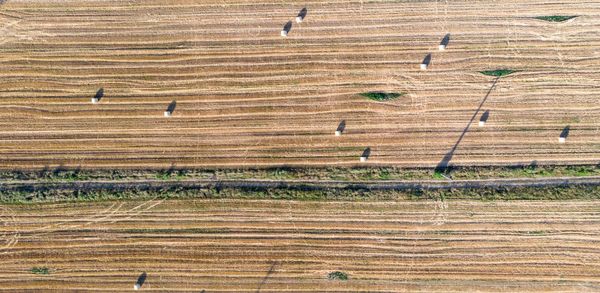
point(245, 96)
point(275, 246)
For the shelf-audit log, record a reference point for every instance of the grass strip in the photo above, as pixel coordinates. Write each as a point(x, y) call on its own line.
point(355, 193)
point(532, 170)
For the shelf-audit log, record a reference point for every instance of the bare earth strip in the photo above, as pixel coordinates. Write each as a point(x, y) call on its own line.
point(230, 245)
point(247, 97)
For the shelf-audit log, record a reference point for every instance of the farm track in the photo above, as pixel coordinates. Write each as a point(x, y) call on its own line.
point(315, 185)
point(247, 97)
point(230, 246)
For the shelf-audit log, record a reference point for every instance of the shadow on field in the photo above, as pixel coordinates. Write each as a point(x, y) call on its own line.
point(141, 279)
point(264, 280)
point(427, 59)
point(565, 131)
point(99, 94)
point(341, 126)
point(302, 13)
point(288, 26)
point(366, 153)
point(172, 106)
point(445, 40)
point(485, 116)
point(443, 165)
point(533, 164)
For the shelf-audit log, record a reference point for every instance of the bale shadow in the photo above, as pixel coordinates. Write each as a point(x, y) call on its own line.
point(172, 106)
point(342, 126)
point(366, 153)
point(427, 59)
point(99, 94)
point(446, 40)
point(485, 116)
point(565, 132)
point(288, 26)
point(303, 13)
point(141, 279)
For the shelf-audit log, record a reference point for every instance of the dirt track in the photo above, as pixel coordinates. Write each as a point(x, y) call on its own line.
point(228, 245)
point(247, 97)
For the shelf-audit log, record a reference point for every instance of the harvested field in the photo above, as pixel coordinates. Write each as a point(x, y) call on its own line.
point(248, 97)
point(229, 245)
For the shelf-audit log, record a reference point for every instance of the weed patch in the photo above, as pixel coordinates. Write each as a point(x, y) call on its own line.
point(337, 275)
point(556, 18)
point(40, 270)
point(498, 72)
point(381, 96)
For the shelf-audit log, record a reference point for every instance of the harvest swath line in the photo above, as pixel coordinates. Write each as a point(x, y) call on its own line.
point(248, 97)
point(229, 246)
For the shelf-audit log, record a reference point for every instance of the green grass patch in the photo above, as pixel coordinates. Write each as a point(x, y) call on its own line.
point(580, 171)
point(534, 171)
point(171, 174)
point(280, 174)
point(384, 174)
point(556, 18)
point(497, 72)
point(439, 175)
point(163, 176)
point(40, 270)
point(382, 96)
point(337, 275)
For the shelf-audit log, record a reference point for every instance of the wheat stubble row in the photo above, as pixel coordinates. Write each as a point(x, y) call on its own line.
point(229, 245)
point(246, 96)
